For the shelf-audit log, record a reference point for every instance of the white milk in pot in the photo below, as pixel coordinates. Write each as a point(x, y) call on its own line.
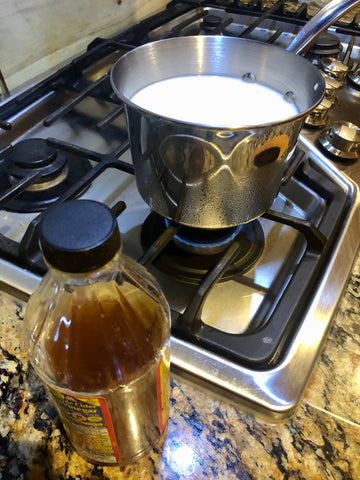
point(218, 101)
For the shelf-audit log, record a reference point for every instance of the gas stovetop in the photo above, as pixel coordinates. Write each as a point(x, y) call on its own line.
point(249, 316)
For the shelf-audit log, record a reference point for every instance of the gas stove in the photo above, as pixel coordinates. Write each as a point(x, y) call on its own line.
point(252, 305)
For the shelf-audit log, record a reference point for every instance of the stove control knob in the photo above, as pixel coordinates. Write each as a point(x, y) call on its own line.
point(331, 86)
point(318, 117)
point(354, 76)
point(342, 140)
point(334, 68)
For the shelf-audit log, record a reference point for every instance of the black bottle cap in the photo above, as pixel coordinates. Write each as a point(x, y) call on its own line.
point(79, 235)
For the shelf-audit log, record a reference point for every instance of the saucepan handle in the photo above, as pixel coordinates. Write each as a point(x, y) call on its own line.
point(328, 15)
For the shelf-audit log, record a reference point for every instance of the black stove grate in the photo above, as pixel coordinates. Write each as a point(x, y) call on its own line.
point(279, 315)
point(26, 253)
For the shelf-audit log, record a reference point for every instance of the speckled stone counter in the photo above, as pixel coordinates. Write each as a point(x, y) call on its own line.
point(207, 438)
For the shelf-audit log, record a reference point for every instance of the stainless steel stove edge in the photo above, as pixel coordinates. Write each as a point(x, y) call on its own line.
point(271, 394)
point(17, 282)
point(274, 394)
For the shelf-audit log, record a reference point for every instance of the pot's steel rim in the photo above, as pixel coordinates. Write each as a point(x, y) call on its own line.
point(319, 84)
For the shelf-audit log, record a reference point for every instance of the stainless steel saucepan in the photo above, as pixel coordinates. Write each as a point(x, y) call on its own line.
point(209, 175)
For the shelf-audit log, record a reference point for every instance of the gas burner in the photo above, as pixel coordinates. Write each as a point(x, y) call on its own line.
point(326, 45)
point(204, 242)
point(342, 140)
point(53, 172)
point(34, 155)
point(211, 22)
point(189, 267)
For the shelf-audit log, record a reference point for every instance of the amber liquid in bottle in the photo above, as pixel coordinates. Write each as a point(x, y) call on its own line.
point(109, 341)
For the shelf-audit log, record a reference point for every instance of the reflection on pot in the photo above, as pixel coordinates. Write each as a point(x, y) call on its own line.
point(271, 151)
point(208, 178)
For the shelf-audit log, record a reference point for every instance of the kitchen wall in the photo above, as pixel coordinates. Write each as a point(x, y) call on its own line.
point(36, 35)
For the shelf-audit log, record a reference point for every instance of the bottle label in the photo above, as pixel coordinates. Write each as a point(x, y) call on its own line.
point(163, 392)
point(80, 413)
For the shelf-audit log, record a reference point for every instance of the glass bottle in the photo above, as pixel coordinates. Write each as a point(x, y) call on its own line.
point(98, 333)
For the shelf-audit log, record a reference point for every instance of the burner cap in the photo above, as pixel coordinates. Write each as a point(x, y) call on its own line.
point(210, 22)
point(57, 172)
point(34, 155)
point(326, 44)
point(190, 268)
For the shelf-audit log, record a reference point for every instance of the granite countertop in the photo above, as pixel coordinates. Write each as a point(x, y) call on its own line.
point(207, 438)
